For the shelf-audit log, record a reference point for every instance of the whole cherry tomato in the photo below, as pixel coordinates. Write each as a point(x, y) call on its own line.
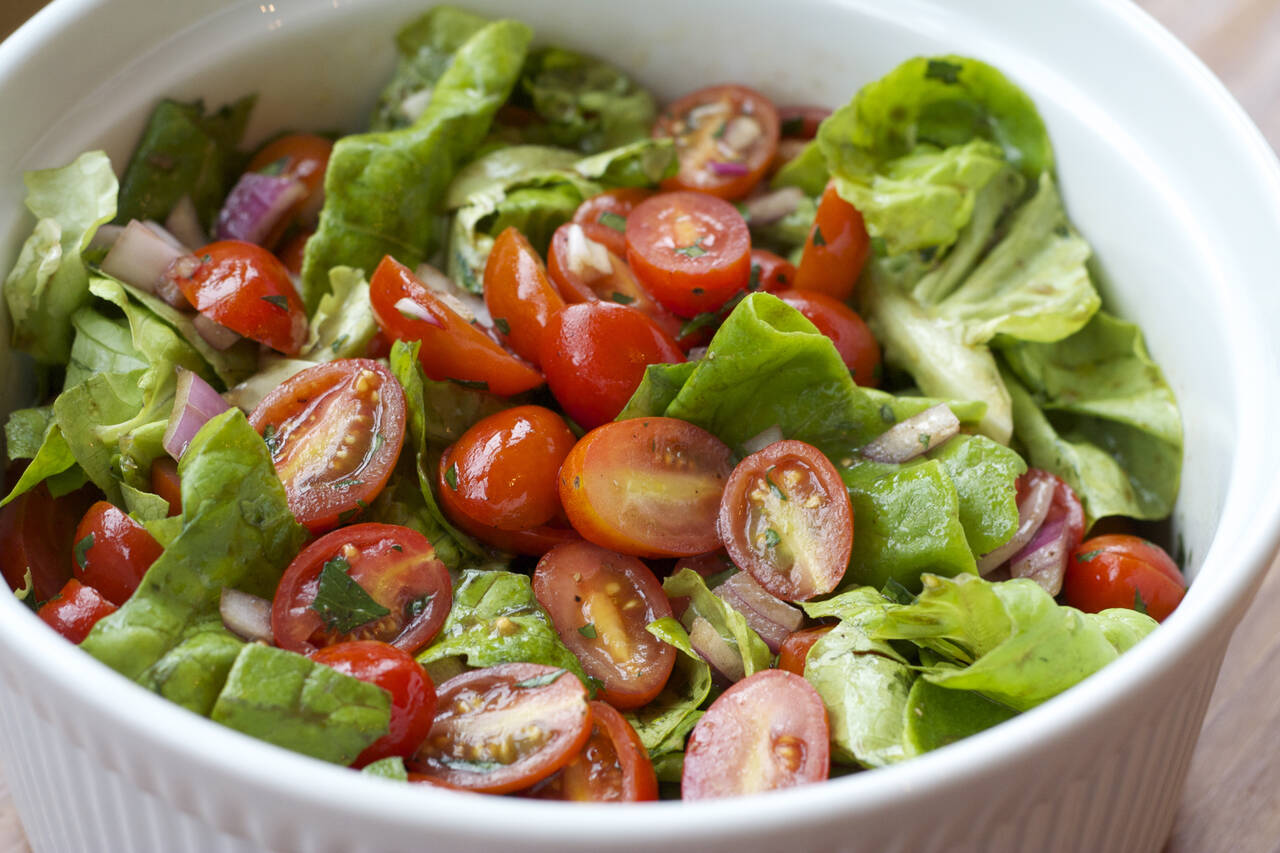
point(1119, 570)
point(846, 329)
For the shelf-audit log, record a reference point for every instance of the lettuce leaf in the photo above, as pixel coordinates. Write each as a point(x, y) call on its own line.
point(937, 716)
point(664, 723)
point(343, 323)
point(728, 623)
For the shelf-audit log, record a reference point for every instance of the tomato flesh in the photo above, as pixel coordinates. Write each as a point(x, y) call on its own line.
point(846, 329)
point(795, 648)
point(1119, 570)
point(613, 766)
point(725, 138)
point(786, 519)
point(649, 487)
point(836, 249)
point(600, 602)
point(75, 610)
point(394, 566)
point(518, 294)
point(113, 552)
point(767, 731)
point(505, 727)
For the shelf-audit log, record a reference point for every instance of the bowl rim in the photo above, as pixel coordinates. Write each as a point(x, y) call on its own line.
point(200, 742)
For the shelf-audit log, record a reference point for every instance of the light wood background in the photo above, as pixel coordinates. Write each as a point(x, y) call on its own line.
point(1232, 798)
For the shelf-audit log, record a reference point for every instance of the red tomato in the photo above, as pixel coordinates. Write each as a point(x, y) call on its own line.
point(855, 343)
point(769, 272)
point(334, 431)
point(795, 648)
point(520, 298)
point(836, 250)
point(379, 345)
point(647, 486)
point(245, 288)
point(452, 348)
point(610, 210)
point(613, 767)
point(600, 602)
point(1118, 570)
point(691, 250)
point(113, 552)
point(801, 122)
point(303, 157)
point(37, 534)
point(75, 610)
point(413, 696)
point(595, 354)
point(503, 471)
point(725, 138)
point(533, 542)
point(294, 250)
point(766, 732)
point(166, 484)
point(395, 566)
point(505, 727)
point(786, 519)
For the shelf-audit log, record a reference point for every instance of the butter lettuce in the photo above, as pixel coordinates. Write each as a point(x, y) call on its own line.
point(343, 323)
point(664, 723)
point(728, 623)
point(937, 716)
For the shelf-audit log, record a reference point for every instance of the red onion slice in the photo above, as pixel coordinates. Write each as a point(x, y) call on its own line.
point(183, 222)
point(470, 306)
point(256, 205)
point(706, 641)
point(769, 616)
point(247, 616)
point(194, 404)
point(772, 206)
point(105, 237)
point(141, 257)
point(214, 333)
point(727, 168)
point(915, 436)
point(762, 439)
point(1044, 559)
point(1031, 514)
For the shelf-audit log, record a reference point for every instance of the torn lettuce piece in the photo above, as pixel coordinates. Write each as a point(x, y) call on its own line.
point(664, 723)
point(52, 458)
point(194, 671)
point(731, 625)
point(391, 767)
point(660, 385)
point(25, 431)
point(343, 323)
point(806, 171)
point(984, 474)
point(938, 716)
point(49, 280)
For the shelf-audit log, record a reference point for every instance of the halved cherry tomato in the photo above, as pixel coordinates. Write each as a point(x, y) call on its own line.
point(691, 250)
point(533, 542)
point(452, 348)
point(613, 767)
point(1118, 570)
point(518, 295)
point(595, 354)
point(394, 566)
point(855, 343)
point(303, 157)
point(113, 552)
point(166, 484)
point(786, 519)
point(769, 272)
point(795, 648)
point(75, 610)
point(37, 534)
point(610, 210)
point(334, 431)
point(505, 727)
point(413, 696)
point(800, 122)
point(379, 345)
point(293, 251)
point(647, 486)
point(503, 471)
point(766, 732)
point(725, 138)
point(836, 249)
point(245, 288)
point(600, 602)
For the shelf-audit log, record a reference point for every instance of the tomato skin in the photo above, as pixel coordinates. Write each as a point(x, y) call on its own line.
point(502, 472)
point(775, 273)
point(533, 542)
point(37, 534)
point(395, 565)
point(119, 553)
point(601, 210)
point(715, 157)
point(773, 723)
point(1116, 570)
point(691, 250)
point(75, 610)
point(413, 696)
point(247, 289)
point(166, 484)
point(294, 250)
point(613, 486)
point(795, 648)
point(334, 431)
point(846, 329)
point(528, 719)
point(613, 766)
point(518, 293)
point(594, 356)
point(612, 597)
point(789, 493)
point(836, 249)
point(303, 157)
point(452, 348)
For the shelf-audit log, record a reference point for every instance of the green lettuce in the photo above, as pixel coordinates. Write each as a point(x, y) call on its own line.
point(937, 716)
point(343, 323)
point(728, 623)
point(664, 723)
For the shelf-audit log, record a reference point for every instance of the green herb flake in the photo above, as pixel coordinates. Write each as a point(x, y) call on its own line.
point(348, 483)
point(501, 324)
point(464, 270)
point(397, 547)
point(419, 605)
point(451, 476)
point(1138, 604)
point(698, 291)
point(82, 551)
point(378, 439)
point(771, 538)
point(924, 440)
point(473, 384)
point(469, 766)
point(540, 680)
point(793, 126)
point(693, 251)
point(818, 239)
point(622, 298)
point(887, 415)
point(946, 72)
point(279, 300)
point(754, 282)
point(337, 344)
point(773, 487)
point(269, 435)
point(617, 222)
point(718, 133)
point(275, 167)
point(342, 603)
point(589, 631)
point(1086, 556)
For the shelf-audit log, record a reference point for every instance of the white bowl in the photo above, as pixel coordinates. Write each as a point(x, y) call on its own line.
point(1161, 170)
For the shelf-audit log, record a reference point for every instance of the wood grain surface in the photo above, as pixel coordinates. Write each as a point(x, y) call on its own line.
point(1231, 803)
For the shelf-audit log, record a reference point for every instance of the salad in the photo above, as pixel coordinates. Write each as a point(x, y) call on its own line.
point(545, 440)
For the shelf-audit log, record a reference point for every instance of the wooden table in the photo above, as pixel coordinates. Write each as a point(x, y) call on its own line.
point(1232, 797)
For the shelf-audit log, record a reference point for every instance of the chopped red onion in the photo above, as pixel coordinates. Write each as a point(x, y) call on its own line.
point(105, 237)
point(772, 206)
point(168, 289)
point(586, 256)
point(762, 439)
point(140, 257)
point(1044, 559)
point(915, 436)
point(193, 405)
point(214, 333)
point(470, 306)
point(769, 616)
point(183, 222)
point(728, 168)
point(247, 616)
point(411, 310)
point(713, 648)
point(166, 235)
point(256, 205)
point(1031, 513)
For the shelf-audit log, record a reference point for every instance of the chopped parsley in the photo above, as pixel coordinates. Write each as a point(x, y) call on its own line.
point(419, 605)
point(773, 487)
point(337, 344)
point(718, 133)
point(269, 435)
point(621, 298)
point(609, 219)
point(1087, 556)
point(887, 415)
point(589, 631)
point(469, 766)
point(793, 126)
point(924, 440)
point(279, 300)
point(818, 239)
point(1138, 604)
point(541, 680)
point(468, 277)
point(342, 603)
point(451, 476)
point(771, 538)
point(501, 324)
point(348, 483)
point(275, 167)
point(754, 282)
point(946, 72)
point(81, 551)
point(693, 251)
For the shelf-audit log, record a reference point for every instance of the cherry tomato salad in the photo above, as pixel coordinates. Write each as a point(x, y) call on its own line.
point(555, 442)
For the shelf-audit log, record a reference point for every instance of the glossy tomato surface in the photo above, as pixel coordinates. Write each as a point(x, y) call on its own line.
point(303, 157)
point(363, 582)
point(75, 610)
point(836, 249)
point(533, 542)
point(37, 533)
point(649, 487)
point(847, 330)
point(613, 766)
point(518, 294)
point(795, 648)
point(334, 431)
point(610, 210)
point(600, 602)
point(505, 727)
point(1119, 570)
point(112, 552)
point(770, 272)
point(725, 138)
